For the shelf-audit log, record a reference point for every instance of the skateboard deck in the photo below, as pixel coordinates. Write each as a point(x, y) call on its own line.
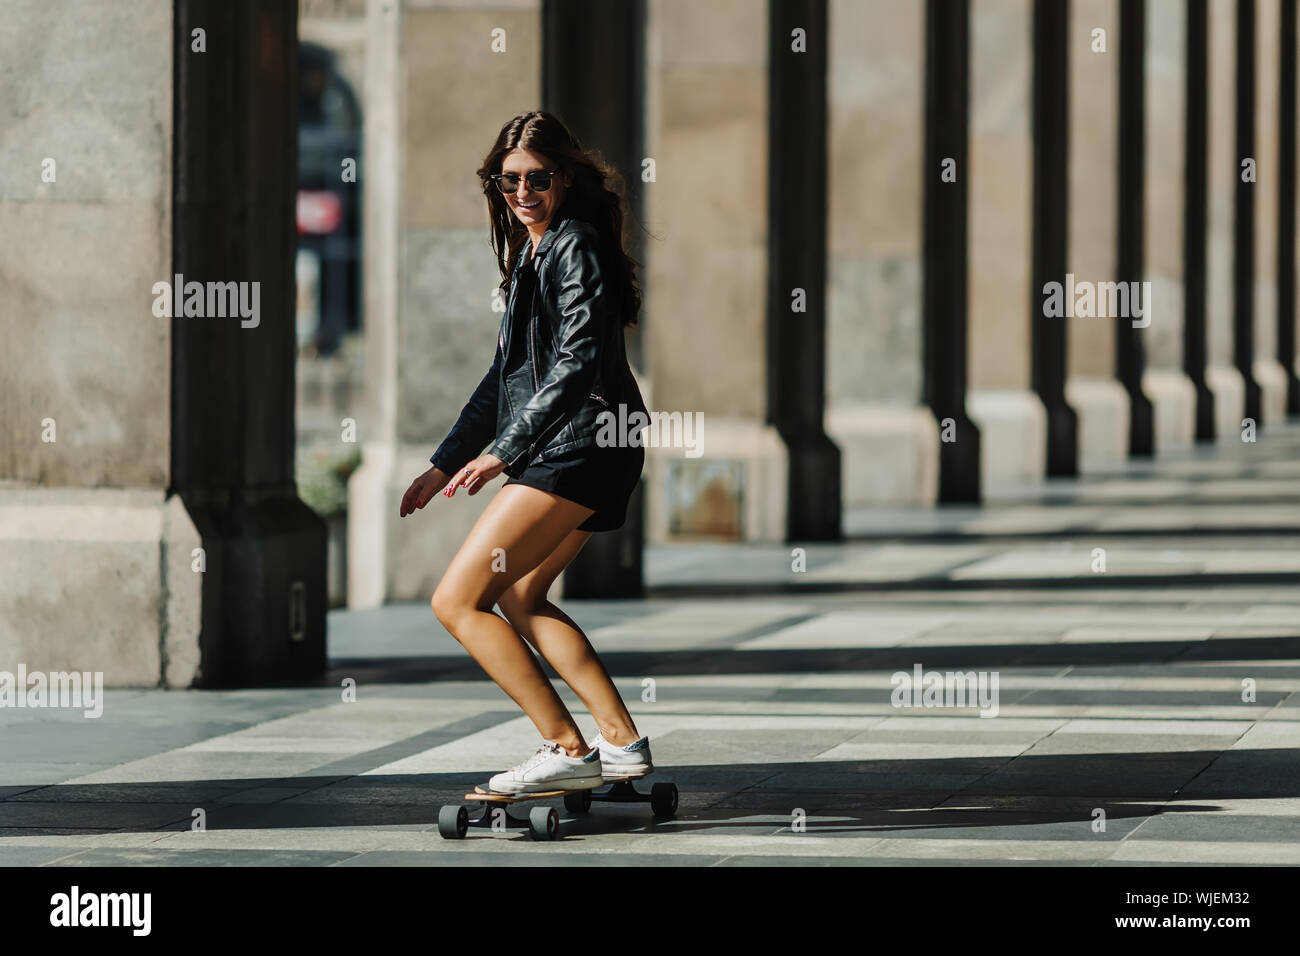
point(482, 794)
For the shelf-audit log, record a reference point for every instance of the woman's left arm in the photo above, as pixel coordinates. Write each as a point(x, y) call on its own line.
point(584, 300)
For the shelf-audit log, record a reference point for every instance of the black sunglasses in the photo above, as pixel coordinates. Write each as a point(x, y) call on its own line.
point(539, 180)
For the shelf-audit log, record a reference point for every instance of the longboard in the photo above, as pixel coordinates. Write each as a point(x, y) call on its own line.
point(482, 794)
point(543, 823)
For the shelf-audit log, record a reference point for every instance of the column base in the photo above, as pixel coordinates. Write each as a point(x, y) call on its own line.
point(1173, 402)
point(1271, 375)
point(100, 580)
point(1102, 406)
point(735, 491)
point(1229, 390)
point(890, 455)
point(1013, 437)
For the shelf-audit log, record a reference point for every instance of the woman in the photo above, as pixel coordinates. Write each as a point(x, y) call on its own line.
point(560, 363)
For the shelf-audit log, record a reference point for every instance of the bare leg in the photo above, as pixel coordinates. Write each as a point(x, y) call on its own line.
point(518, 530)
point(562, 643)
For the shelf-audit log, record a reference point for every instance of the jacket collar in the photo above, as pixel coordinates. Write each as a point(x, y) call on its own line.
point(557, 224)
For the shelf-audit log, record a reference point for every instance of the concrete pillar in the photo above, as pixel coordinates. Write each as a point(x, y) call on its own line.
point(1286, 206)
point(94, 557)
point(707, 96)
point(1099, 399)
point(1011, 419)
point(436, 95)
point(152, 530)
point(1224, 172)
point(1196, 215)
point(1172, 392)
point(888, 439)
point(1049, 332)
point(1270, 374)
point(232, 402)
point(1130, 194)
point(798, 53)
point(946, 165)
point(1244, 210)
point(583, 39)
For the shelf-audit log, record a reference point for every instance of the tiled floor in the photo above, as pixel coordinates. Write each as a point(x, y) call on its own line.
point(1147, 714)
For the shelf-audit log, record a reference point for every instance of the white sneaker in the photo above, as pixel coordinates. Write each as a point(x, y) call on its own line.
point(550, 768)
point(630, 761)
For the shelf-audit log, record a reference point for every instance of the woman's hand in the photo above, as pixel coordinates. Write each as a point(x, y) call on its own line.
point(476, 474)
point(422, 490)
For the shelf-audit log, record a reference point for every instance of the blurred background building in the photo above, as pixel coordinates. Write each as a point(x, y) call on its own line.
point(851, 210)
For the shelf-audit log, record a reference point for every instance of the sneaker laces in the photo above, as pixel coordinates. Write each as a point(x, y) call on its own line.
point(544, 752)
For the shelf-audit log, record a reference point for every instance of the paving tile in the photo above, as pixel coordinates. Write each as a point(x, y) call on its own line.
point(31, 855)
point(14, 813)
point(180, 792)
point(1118, 743)
point(862, 781)
point(163, 858)
point(7, 793)
point(821, 802)
point(264, 795)
point(1204, 852)
point(1261, 773)
point(300, 816)
point(1144, 786)
point(915, 752)
point(875, 861)
point(1188, 826)
point(848, 629)
point(467, 856)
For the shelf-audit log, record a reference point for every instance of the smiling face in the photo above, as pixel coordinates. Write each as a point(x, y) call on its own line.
point(534, 209)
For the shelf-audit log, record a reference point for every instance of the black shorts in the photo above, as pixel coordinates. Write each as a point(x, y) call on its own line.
point(602, 479)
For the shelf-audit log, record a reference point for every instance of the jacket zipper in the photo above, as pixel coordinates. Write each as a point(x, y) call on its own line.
point(533, 362)
point(533, 359)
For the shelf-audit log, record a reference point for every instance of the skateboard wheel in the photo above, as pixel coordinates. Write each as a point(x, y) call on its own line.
point(453, 822)
point(544, 823)
point(663, 799)
point(579, 801)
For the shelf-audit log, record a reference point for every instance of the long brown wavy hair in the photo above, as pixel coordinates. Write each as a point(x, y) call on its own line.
point(596, 196)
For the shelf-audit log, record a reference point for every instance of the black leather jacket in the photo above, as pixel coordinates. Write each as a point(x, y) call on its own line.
point(574, 367)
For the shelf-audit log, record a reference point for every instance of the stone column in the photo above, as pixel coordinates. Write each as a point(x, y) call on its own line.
point(152, 530)
point(945, 296)
point(1270, 374)
point(1172, 393)
point(1286, 173)
point(1244, 211)
point(1196, 211)
point(798, 53)
point(1049, 330)
point(888, 438)
point(1223, 174)
point(586, 38)
point(1100, 400)
point(94, 557)
point(436, 95)
point(1011, 419)
point(1130, 249)
point(232, 403)
point(706, 132)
